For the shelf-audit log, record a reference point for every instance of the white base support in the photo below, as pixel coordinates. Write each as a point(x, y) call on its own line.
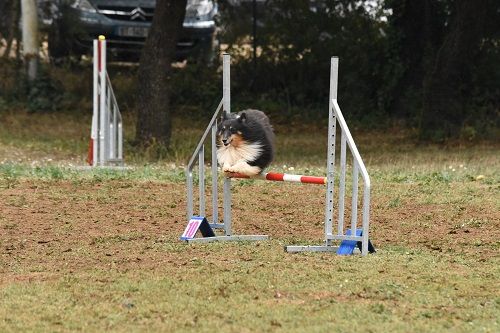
point(217, 225)
point(235, 238)
point(310, 248)
point(105, 167)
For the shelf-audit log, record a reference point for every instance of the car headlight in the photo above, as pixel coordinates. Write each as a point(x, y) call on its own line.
point(84, 5)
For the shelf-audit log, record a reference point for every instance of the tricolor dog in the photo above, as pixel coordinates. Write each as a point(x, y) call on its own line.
point(245, 142)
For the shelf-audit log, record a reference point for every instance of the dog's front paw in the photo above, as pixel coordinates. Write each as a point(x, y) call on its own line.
point(230, 169)
point(244, 169)
point(227, 170)
point(250, 172)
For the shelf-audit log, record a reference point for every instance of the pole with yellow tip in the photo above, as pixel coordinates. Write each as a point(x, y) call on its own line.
point(102, 100)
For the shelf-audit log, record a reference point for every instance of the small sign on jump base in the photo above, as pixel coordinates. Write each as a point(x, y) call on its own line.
point(197, 223)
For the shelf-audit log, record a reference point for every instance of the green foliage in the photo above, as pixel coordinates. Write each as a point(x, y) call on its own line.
point(54, 89)
point(3, 104)
point(196, 89)
point(11, 174)
point(388, 51)
point(11, 84)
point(45, 94)
point(295, 44)
point(442, 61)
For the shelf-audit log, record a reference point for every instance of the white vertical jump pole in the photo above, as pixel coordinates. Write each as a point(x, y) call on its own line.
point(332, 129)
point(94, 135)
point(102, 92)
point(111, 127)
point(215, 182)
point(226, 107)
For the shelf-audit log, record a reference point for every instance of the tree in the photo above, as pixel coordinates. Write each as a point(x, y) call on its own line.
point(30, 36)
point(442, 72)
point(415, 31)
point(296, 39)
point(9, 17)
point(448, 84)
point(153, 117)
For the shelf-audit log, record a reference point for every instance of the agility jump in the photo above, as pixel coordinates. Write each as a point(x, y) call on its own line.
point(106, 137)
point(348, 236)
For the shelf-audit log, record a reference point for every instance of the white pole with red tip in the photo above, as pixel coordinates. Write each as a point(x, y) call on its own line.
point(106, 136)
point(102, 99)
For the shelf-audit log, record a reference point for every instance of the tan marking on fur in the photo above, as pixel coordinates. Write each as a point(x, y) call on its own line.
point(236, 140)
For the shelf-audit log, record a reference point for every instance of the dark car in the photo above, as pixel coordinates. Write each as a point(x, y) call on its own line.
point(125, 24)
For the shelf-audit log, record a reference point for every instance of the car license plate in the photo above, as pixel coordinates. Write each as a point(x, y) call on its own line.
point(133, 31)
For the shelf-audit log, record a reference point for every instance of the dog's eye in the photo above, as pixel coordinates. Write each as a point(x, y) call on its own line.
point(232, 130)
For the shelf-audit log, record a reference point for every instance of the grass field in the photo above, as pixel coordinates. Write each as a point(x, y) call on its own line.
point(99, 251)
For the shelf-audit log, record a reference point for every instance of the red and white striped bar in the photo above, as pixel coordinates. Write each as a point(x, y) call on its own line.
point(283, 177)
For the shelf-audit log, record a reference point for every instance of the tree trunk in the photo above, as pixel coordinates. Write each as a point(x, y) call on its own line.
point(417, 32)
point(447, 85)
point(30, 37)
point(153, 118)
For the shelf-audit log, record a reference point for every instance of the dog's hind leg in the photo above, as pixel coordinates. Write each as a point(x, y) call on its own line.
point(244, 168)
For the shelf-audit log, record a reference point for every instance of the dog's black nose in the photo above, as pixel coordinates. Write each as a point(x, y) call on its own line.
point(224, 141)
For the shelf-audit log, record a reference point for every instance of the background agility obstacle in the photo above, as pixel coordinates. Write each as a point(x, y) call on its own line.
point(106, 137)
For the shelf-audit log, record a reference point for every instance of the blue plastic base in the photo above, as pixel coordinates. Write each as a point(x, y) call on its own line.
point(347, 246)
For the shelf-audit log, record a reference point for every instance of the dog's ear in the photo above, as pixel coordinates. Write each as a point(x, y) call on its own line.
point(242, 117)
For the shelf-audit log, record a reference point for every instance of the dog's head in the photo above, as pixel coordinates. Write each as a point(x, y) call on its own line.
point(231, 127)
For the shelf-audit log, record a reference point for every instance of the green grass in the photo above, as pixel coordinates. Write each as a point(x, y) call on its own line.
point(12, 173)
point(435, 223)
point(249, 288)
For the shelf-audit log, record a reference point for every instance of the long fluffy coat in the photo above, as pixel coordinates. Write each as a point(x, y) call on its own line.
point(245, 142)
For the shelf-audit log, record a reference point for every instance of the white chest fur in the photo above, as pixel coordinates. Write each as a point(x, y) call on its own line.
point(230, 155)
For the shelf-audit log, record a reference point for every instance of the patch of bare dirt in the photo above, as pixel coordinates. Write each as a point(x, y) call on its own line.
point(65, 226)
